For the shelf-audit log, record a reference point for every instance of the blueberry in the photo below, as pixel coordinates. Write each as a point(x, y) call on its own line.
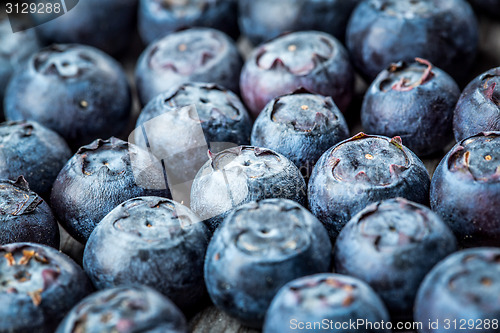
point(402, 241)
point(463, 288)
point(75, 90)
point(478, 109)
point(242, 174)
point(465, 190)
point(362, 170)
point(152, 241)
point(381, 32)
point(300, 126)
point(258, 248)
point(158, 18)
point(325, 298)
point(99, 177)
point(312, 60)
point(38, 286)
point(198, 54)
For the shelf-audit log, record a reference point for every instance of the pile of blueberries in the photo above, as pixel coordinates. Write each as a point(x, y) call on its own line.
point(242, 185)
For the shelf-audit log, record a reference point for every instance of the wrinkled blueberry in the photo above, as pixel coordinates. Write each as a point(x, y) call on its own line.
point(158, 18)
point(193, 55)
point(29, 149)
point(242, 174)
point(333, 297)
point(257, 249)
point(300, 126)
point(309, 59)
point(414, 101)
point(465, 190)
point(99, 177)
point(402, 241)
point(381, 32)
point(462, 291)
point(362, 170)
point(478, 109)
point(38, 286)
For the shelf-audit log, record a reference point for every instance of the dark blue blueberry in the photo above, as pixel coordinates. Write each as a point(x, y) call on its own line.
point(125, 310)
point(478, 109)
point(99, 177)
point(392, 245)
point(312, 60)
point(414, 101)
point(193, 55)
point(490, 7)
point(362, 170)
point(75, 90)
point(152, 241)
point(29, 149)
point(465, 190)
point(242, 174)
point(381, 32)
point(258, 248)
point(38, 286)
point(333, 299)
point(158, 18)
point(461, 291)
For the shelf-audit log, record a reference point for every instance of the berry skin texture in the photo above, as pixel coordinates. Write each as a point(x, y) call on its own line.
point(257, 249)
point(465, 190)
point(392, 245)
point(312, 60)
point(463, 287)
point(478, 109)
point(362, 170)
point(152, 241)
point(334, 297)
point(75, 90)
point(416, 102)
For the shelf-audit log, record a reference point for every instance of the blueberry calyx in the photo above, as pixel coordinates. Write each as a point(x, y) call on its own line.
point(219, 161)
point(24, 202)
point(405, 83)
point(62, 61)
point(489, 92)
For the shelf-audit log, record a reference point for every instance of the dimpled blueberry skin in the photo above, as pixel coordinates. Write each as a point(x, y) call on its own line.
point(257, 249)
point(193, 55)
point(99, 177)
point(464, 286)
point(391, 245)
point(242, 174)
point(465, 190)
point(414, 101)
point(158, 18)
point(38, 286)
point(300, 126)
point(152, 241)
point(362, 170)
point(334, 297)
point(381, 32)
point(33, 151)
point(478, 109)
point(75, 90)
point(312, 60)
point(125, 310)
point(262, 20)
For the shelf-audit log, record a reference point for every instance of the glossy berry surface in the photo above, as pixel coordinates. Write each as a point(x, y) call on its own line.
point(402, 241)
point(300, 126)
point(362, 170)
point(75, 90)
point(38, 286)
point(332, 297)
point(414, 101)
point(465, 189)
point(463, 287)
point(478, 109)
point(193, 55)
point(258, 248)
point(312, 60)
point(99, 177)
